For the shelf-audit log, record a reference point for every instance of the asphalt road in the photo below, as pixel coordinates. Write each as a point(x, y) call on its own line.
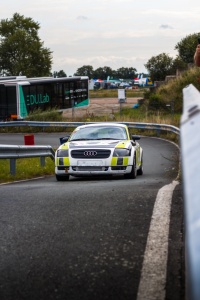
point(86, 238)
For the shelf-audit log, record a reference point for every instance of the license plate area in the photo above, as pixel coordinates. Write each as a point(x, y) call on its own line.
point(90, 163)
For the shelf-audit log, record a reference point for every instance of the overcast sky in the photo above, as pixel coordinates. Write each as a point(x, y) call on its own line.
point(113, 33)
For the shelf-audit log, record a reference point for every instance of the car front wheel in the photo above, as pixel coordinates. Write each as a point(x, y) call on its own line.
point(133, 173)
point(140, 171)
point(62, 177)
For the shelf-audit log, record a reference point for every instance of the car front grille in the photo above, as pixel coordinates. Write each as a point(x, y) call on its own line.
point(90, 169)
point(90, 153)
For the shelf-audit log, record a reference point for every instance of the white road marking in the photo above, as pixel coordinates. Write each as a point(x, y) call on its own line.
point(154, 269)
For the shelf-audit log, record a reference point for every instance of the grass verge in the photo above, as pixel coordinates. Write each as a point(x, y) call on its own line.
point(26, 168)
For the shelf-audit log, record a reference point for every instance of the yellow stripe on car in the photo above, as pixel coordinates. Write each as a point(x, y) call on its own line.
point(122, 161)
point(62, 161)
point(66, 161)
point(125, 161)
point(123, 144)
point(114, 161)
point(65, 146)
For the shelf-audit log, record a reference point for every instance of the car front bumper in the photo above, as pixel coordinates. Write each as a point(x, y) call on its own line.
point(92, 170)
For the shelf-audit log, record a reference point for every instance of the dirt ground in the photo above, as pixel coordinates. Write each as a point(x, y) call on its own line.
point(99, 107)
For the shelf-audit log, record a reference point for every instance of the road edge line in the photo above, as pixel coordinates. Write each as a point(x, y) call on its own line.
point(154, 270)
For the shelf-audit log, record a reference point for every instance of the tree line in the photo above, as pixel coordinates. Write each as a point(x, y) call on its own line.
point(23, 52)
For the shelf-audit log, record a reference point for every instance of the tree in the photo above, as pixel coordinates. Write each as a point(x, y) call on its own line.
point(178, 64)
point(85, 70)
point(187, 46)
point(107, 72)
point(126, 73)
point(103, 73)
point(160, 66)
point(61, 73)
point(98, 73)
point(21, 50)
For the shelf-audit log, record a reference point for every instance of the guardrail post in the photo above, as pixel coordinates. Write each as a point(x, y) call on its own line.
point(12, 166)
point(42, 161)
point(158, 132)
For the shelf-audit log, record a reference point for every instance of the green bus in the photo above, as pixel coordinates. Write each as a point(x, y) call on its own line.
point(20, 95)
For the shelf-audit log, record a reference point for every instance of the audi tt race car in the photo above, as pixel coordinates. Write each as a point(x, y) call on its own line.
point(99, 149)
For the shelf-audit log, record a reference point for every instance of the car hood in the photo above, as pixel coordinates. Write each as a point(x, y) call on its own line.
point(96, 143)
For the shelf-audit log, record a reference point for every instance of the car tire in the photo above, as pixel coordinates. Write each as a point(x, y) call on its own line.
point(62, 177)
point(133, 173)
point(140, 170)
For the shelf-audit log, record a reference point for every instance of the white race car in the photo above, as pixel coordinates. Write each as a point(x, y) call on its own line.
point(99, 149)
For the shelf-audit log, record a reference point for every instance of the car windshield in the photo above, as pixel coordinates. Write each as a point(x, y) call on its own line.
point(99, 133)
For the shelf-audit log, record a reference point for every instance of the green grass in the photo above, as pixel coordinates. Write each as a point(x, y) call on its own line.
point(26, 168)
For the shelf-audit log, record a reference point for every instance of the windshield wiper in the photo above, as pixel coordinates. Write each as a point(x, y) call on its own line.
point(107, 139)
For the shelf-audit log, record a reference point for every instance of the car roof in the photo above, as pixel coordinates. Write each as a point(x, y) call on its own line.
point(103, 124)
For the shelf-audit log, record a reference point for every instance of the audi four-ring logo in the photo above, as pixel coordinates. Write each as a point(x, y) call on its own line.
point(90, 153)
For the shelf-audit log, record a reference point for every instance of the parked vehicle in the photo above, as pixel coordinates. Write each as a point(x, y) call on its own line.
point(20, 95)
point(143, 81)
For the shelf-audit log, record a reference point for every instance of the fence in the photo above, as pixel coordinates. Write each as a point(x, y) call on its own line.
point(145, 126)
point(13, 152)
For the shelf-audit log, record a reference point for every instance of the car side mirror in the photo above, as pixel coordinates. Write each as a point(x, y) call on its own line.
point(64, 139)
point(135, 137)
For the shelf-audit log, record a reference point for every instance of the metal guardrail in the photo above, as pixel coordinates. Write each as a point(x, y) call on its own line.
point(190, 150)
point(148, 126)
point(14, 152)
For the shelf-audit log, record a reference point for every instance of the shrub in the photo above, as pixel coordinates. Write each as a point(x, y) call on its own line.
point(173, 90)
point(156, 102)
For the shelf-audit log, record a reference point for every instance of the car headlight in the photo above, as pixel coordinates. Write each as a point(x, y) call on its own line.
point(121, 152)
point(62, 153)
